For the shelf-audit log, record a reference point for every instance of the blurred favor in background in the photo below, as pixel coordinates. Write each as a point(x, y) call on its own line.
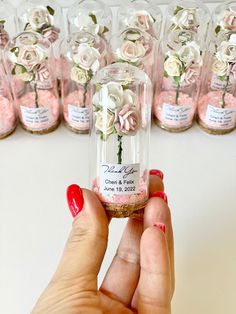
point(30, 60)
point(84, 54)
point(217, 99)
point(182, 50)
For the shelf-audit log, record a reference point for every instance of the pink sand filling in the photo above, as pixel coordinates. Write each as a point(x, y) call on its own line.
point(79, 122)
point(7, 116)
point(140, 197)
point(34, 121)
point(167, 112)
point(224, 119)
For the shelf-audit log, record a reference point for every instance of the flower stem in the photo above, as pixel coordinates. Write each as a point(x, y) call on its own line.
point(85, 95)
point(177, 93)
point(120, 149)
point(36, 96)
point(225, 91)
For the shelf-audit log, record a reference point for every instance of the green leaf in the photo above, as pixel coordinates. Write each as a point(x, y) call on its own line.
point(50, 10)
point(13, 71)
point(93, 17)
point(15, 50)
point(218, 29)
point(2, 21)
point(178, 9)
point(223, 78)
point(166, 74)
point(106, 29)
point(177, 79)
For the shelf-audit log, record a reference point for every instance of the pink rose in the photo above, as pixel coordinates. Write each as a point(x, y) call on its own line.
point(4, 37)
point(42, 74)
point(51, 33)
point(230, 21)
point(192, 74)
point(128, 120)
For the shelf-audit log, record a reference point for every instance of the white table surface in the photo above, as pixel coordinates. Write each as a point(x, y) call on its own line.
point(200, 179)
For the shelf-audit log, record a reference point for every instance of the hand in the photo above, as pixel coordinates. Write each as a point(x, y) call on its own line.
point(141, 276)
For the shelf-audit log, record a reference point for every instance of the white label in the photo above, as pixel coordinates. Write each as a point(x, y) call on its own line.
point(218, 84)
point(119, 179)
point(173, 113)
point(222, 117)
point(78, 114)
point(34, 116)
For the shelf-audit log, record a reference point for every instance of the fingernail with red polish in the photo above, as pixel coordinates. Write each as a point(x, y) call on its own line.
point(161, 226)
point(75, 199)
point(161, 195)
point(155, 172)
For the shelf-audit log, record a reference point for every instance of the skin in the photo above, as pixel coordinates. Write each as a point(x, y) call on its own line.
point(140, 278)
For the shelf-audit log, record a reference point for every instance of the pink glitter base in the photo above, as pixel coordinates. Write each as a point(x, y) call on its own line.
point(168, 97)
point(7, 116)
point(214, 98)
point(46, 99)
point(75, 99)
point(132, 199)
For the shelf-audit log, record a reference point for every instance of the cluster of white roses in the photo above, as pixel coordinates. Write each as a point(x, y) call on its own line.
point(185, 19)
point(184, 65)
point(86, 63)
point(89, 23)
point(115, 110)
point(29, 59)
point(132, 48)
point(224, 62)
point(40, 19)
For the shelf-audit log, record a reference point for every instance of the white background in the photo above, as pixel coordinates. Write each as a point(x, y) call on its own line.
point(200, 179)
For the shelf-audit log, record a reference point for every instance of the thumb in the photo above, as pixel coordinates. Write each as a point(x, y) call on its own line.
point(87, 242)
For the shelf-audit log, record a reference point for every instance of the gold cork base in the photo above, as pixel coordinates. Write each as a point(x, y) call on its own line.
point(125, 210)
point(171, 129)
point(2, 136)
point(42, 132)
point(74, 130)
point(212, 131)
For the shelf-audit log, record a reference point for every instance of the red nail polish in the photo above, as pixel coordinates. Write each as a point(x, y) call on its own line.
point(75, 199)
point(161, 226)
point(155, 172)
point(161, 195)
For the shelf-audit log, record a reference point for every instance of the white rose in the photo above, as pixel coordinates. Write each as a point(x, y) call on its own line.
point(173, 66)
point(113, 96)
point(104, 121)
point(87, 57)
point(185, 18)
point(39, 17)
point(220, 67)
point(30, 56)
point(85, 23)
point(110, 95)
point(190, 53)
point(78, 75)
point(132, 52)
point(22, 74)
point(140, 19)
point(227, 52)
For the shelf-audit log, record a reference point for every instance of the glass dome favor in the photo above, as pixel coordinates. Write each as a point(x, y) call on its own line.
point(121, 97)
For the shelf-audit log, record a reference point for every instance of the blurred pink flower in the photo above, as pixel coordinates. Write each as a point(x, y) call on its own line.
point(230, 21)
point(42, 74)
point(128, 120)
point(192, 74)
point(51, 33)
